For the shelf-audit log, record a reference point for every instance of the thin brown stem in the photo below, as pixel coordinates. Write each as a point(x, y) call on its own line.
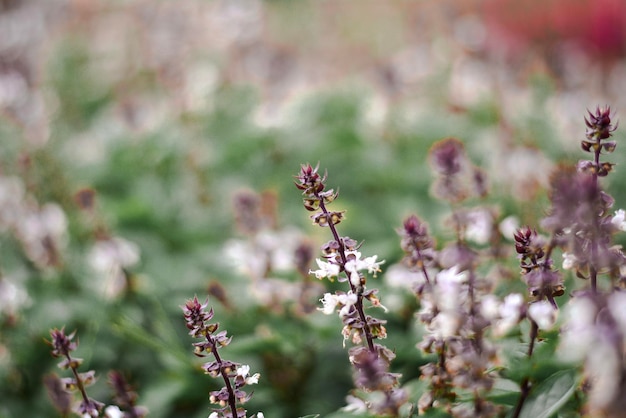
point(359, 303)
point(232, 402)
point(526, 385)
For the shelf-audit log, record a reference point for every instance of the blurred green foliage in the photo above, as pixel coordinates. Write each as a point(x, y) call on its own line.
point(169, 189)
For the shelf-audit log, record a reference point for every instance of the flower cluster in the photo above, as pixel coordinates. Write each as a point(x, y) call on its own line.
point(235, 375)
point(599, 130)
point(60, 389)
point(268, 251)
point(594, 331)
point(457, 178)
point(343, 261)
point(41, 229)
point(456, 313)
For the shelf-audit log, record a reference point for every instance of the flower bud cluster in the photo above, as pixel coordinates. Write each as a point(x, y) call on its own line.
point(455, 318)
point(60, 389)
point(457, 178)
point(62, 347)
point(235, 375)
point(543, 281)
point(599, 130)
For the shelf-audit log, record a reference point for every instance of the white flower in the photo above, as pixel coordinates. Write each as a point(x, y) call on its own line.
point(543, 313)
point(616, 304)
point(260, 415)
point(510, 312)
point(479, 224)
point(213, 415)
point(330, 302)
point(253, 380)
point(347, 300)
point(578, 333)
point(355, 405)
point(604, 367)
point(449, 291)
point(11, 201)
point(244, 371)
point(490, 307)
point(398, 275)
point(446, 324)
point(372, 265)
point(619, 219)
point(113, 411)
point(43, 232)
point(13, 296)
point(569, 261)
point(109, 258)
point(326, 269)
point(357, 264)
point(508, 226)
point(452, 275)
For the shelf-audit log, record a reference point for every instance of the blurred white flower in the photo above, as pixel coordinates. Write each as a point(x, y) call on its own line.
point(510, 313)
point(449, 290)
point(446, 324)
point(543, 313)
point(616, 304)
point(11, 201)
point(43, 233)
point(604, 367)
point(569, 261)
point(399, 275)
point(490, 307)
point(13, 297)
point(110, 257)
point(508, 226)
point(619, 219)
point(113, 411)
point(578, 334)
point(479, 225)
point(452, 275)
point(355, 405)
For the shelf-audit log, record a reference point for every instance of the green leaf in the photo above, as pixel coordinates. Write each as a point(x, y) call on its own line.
point(504, 392)
point(547, 398)
point(311, 416)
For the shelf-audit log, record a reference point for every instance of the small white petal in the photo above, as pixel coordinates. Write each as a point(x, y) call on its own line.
point(243, 370)
point(330, 302)
point(254, 379)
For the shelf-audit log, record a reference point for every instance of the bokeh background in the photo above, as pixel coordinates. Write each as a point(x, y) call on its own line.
point(134, 134)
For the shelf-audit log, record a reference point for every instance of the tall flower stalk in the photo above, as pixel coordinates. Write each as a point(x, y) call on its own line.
point(62, 347)
point(343, 261)
point(234, 375)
